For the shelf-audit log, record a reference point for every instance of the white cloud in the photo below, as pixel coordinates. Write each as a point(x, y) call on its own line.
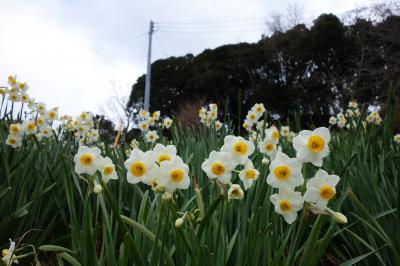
point(70, 51)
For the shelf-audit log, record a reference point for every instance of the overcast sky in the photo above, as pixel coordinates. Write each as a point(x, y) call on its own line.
point(74, 53)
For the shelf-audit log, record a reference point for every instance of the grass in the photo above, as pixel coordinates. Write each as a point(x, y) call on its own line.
point(55, 218)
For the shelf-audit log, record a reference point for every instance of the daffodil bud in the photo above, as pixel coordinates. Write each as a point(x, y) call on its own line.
point(167, 196)
point(265, 161)
point(97, 188)
point(338, 217)
point(179, 222)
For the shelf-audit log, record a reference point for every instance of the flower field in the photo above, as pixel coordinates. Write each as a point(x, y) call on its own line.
point(265, 194)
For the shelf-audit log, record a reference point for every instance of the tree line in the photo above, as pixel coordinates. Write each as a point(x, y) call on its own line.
point(317, 69)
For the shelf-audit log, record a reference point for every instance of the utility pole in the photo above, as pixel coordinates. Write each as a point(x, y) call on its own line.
point(148, 74)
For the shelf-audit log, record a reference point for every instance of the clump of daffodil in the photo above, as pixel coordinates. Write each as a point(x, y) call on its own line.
point(209, 114)
point(253, 116)
point(160, 168)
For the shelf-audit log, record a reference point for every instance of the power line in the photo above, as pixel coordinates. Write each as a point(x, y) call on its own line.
point(235, 21)
point(121, 42)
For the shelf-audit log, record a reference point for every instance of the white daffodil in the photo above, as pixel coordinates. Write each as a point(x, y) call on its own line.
point(260, 125)
point(353, 104)
point(218, 125)
point(259, 109)
point(349, 113)
point(219, 165)
point(333, 120)
point(378, 120)
point(175, 174)
point(285, 172)
point(8, 255)
point(162, 153)
point(252, 117)
point(140, 166)
point(14, 141)
point(45, 131)
point(14, 97)
point(40, 121)
point(342, 123)
point(321, 188)
point(41, 108)
point(272, 133)
point(340, 116)
point(12, 80)
point(285, 131)
point(52, 114)
point(287, 203)
point(397, 138)
point(268, 147)
point(143, 114)
point(247, 125)
point(24, 97)
point(235, 192)
point(152, 136)
point(249, 174)
point(107, 169)
point(16, 129)
point(156, 115)
point(29, 127)
point(87, 160)
point(167, 122)
point(152, 121)
point(213, 107)
point(312, 146)
point(144, 126)
point(238, 148)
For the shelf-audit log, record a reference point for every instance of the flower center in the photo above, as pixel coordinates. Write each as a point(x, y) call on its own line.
point(163, 157)
point(14, 128)
point(217, 169)
point(52, 114)
point(275, 134)
point(252, 116)
point(282, 172)
point(240, 148)
point(269, 146)
point(86, 159)
point(138, 169)
point(315, 143)
point(31, 126)
point(236, 193)
point(326, 192)
point(12, 141)
point(285, 205)
point(259, 109)
point(251, 174)
point(176, 175)
point(107, 170)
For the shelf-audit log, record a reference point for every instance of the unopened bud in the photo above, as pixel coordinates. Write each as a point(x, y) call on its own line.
point(265, 161)
point(179, 222)
point(97, 188)
point(338, 217)
point(167, 196)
